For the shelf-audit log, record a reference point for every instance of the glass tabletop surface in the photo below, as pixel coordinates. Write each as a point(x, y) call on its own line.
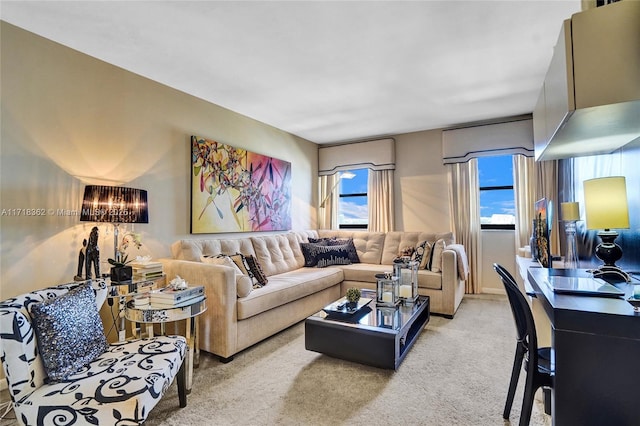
point(373, 316)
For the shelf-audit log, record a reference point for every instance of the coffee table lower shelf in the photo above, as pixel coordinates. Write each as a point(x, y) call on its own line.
point(369, 340)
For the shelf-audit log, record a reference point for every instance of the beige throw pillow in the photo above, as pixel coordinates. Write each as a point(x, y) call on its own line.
point(244, 284)
point(436, 257)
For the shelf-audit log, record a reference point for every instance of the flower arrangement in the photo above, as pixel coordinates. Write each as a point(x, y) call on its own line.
point(121, 252)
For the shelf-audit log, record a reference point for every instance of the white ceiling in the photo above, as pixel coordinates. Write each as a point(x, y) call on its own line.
point(326, 71)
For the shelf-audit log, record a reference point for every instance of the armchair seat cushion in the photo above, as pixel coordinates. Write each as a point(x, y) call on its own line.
point(138, 374)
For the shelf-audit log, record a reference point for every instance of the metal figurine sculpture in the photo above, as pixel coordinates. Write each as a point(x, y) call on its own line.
point(81, 256)
point(93, 253)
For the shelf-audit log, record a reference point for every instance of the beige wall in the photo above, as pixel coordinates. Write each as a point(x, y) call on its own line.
point(421, 188)
point(69, 119)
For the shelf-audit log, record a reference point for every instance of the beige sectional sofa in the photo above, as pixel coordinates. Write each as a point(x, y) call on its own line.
point(293, 291)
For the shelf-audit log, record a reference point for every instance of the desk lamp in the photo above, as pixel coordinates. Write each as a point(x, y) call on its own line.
point(606, 208)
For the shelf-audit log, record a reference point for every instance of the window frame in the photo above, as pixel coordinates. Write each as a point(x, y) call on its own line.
point(342, 195)
point(496, 226)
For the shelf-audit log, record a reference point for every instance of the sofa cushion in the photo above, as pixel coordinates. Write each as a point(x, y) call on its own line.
point(278, 253)
point(194, 249)
point(69, 332)
point(395, 241)
point(368, 244)
point(365, 272)
point(286, 287)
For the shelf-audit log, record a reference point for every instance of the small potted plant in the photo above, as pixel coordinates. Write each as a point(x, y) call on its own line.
point(353, 295)
point(120, 271)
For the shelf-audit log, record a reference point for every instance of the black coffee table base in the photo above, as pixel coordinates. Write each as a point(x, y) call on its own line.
point(368, 341)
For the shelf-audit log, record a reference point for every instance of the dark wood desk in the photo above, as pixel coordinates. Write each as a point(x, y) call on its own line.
point(597, 344)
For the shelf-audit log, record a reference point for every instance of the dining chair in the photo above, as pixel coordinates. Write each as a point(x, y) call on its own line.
point(538, 362)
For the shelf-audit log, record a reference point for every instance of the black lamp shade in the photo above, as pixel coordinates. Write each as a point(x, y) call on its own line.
point(114, 204)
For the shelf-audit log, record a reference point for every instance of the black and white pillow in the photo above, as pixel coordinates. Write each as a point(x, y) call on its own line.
point(422, 254)
point(333, 241)
point(256, 270)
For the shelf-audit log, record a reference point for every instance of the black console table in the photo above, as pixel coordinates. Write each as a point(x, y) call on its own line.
point(597, 344)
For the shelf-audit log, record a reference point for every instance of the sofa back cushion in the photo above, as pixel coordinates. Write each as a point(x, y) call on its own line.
point(396, 241)
point(368, 244)
point(278, 253)
point(193, 250)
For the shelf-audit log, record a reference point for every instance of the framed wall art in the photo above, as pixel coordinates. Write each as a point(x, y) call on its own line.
point(235, 190)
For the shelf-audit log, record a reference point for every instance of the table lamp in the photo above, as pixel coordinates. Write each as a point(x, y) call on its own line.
point(606, 208)
point(570, 213)
point(114, 204)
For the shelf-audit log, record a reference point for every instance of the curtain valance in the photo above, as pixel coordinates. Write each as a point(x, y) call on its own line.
point(513, 137)
point(375, 155)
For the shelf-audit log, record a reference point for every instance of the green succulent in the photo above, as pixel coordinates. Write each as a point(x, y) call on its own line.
point(353, 294)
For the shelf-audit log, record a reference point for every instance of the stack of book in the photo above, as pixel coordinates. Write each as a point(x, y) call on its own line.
point(170, 298)
point(147, 270)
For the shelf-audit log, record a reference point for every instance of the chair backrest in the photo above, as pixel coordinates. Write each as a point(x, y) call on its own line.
point(525, 326)
point(21, 360)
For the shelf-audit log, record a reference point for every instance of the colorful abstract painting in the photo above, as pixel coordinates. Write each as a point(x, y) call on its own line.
point(234, 190)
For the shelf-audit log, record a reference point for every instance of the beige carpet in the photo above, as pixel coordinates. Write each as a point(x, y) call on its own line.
point(457, 373)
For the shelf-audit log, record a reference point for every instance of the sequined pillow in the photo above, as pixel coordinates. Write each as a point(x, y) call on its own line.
point(69, 332)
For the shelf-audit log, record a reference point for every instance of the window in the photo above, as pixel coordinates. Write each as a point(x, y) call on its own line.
point(497, 201)
point(353, 207)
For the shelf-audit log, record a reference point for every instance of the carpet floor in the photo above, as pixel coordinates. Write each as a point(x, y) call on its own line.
point(457, 373)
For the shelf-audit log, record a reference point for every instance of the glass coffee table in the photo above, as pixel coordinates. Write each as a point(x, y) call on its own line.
point(373, 335)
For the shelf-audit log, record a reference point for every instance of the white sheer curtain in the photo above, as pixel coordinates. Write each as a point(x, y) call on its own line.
point(524, 188)
point(380, 199)
point(464, 203)
point(327, 213)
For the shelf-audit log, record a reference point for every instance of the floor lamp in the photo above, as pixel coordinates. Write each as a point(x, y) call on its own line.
point(116, 205)
point(606, 208)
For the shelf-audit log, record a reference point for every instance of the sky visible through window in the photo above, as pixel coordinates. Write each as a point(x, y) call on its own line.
point(496, 206)
point(354, 210)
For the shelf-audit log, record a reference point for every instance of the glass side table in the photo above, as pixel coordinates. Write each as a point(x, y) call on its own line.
point(149, 315)
point(120, 293)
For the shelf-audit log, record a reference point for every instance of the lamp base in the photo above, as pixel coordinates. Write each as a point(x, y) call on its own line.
point(608, 251)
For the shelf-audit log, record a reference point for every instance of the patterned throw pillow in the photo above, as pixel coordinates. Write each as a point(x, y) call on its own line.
point(321, 255)
point(436, 257)
point(223, 260)
point(241, 262)
point(256, 270)
point(309, 251)
point(69, 332)
point(332, 255)
point(332, 241)
point(422, 254)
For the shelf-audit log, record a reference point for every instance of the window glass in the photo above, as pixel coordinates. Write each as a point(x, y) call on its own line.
point(497, 199)
point(353, 207)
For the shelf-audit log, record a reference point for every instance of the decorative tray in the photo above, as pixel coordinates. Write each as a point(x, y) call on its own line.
point(340, 306)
